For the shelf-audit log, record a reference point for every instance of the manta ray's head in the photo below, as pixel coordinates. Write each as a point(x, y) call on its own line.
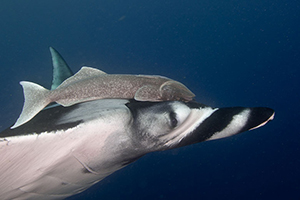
point(167, 125)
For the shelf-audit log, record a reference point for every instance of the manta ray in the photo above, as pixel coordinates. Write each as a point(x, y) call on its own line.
point(62, 151)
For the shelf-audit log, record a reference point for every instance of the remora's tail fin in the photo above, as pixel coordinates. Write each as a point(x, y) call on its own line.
point(61, 70)
point(35, 99)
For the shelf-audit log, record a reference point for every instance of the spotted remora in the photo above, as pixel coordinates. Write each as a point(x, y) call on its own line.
point(90, 84)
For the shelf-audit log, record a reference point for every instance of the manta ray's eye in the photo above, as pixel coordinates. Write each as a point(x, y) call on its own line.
point(173, 119)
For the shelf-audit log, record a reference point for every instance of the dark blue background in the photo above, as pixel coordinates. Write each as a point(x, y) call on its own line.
point(229, 53)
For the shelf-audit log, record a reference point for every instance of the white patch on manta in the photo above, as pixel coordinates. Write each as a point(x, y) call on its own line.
point(182, 112)
point(26, 159)
point(237, 123)
point(196, 117)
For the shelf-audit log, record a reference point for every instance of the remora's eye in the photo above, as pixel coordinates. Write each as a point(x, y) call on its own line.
point(173, 119)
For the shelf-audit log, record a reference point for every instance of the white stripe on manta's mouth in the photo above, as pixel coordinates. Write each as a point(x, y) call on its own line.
point(237, 123)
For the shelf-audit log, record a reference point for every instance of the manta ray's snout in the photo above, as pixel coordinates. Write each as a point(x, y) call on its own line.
point(211, 124)
point(259, 117)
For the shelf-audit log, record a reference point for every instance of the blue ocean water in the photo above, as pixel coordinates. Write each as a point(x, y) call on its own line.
point(229, 53)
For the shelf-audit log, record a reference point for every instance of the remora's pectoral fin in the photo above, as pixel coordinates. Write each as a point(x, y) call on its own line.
point(83, 73)
point(35, 99)
point(147, 93)
point(61, 70)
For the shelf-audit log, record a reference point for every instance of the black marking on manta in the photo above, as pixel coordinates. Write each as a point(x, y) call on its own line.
point(46, 121)
point(220, 120)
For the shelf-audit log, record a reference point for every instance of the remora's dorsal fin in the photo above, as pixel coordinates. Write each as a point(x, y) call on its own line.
point(35, 99)
point(83, 73)
point(61, 70)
